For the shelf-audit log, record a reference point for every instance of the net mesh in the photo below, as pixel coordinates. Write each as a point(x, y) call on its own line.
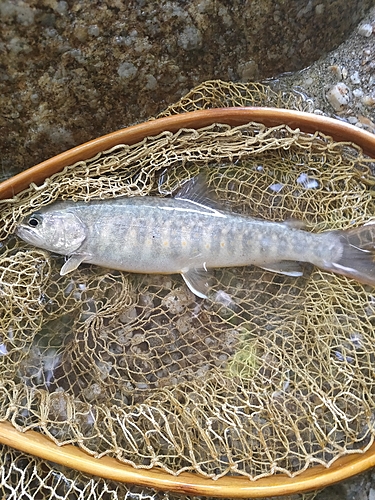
point(24, 477)
point(272, 374)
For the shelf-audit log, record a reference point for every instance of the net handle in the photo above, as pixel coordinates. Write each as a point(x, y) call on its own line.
point(306, 122)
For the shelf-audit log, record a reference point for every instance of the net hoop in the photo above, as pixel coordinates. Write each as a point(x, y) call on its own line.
point(189, 483)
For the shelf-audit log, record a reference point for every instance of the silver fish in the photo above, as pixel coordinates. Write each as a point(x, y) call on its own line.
point(189, 234)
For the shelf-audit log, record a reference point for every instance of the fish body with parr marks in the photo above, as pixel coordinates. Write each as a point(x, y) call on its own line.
point(189, 234)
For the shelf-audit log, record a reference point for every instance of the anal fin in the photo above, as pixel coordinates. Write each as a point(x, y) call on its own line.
point(287, 267)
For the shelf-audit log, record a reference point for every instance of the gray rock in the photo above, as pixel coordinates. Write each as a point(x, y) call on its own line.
point(89, 67)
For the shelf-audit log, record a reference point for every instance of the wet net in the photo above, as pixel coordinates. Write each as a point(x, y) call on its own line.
point(271, 374)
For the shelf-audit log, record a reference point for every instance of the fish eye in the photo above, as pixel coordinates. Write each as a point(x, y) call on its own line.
point(33, 221)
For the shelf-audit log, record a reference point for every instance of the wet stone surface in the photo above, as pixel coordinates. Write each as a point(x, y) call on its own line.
point(73, 71)
point(342, 84)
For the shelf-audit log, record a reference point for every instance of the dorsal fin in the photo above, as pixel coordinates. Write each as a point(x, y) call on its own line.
point(196, 191)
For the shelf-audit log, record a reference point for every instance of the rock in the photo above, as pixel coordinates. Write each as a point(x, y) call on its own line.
point(127, 70)
point(339, 96)
point(368, 100)
point(355, 79)
point(365, 30)
point(97, 66)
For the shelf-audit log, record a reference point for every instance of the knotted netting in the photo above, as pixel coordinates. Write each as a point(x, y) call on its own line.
point(271, 374)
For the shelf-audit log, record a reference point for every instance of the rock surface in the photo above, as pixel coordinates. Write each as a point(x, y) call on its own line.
point(72, 71)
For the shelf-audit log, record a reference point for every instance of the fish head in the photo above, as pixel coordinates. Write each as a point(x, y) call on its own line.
point(61, 232)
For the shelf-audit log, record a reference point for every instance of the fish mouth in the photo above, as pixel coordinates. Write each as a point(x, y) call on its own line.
point(27, 234)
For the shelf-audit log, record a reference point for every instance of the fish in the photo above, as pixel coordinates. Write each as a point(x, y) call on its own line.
point(189, 234)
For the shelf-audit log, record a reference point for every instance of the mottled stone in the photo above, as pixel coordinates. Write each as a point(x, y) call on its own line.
point(339, 96)
point(72, 71)
point(365, 30)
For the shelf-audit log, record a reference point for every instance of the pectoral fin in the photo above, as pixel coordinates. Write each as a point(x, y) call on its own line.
point(72, 263)
point(287, 267)
point(196, 280)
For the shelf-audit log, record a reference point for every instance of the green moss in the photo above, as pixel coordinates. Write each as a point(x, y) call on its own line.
point(244, 363)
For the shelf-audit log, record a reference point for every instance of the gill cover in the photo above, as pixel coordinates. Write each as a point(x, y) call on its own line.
point(57, 231)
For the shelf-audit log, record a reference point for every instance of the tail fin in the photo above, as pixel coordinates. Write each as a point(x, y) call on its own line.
point(357, 259)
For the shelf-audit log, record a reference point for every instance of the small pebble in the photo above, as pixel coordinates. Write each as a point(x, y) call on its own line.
point(62, 7)
point(177, 300)
point(183, 324)
point(365, 30)
point(358, 92)
point(307, 182)
point(338, 96)
point(93, 30)
point(276, 187)
point(366, 121)
point(129, 315)
point(92, 391)
point(336, 70)
point(368, 100)
point(248, 70)
point(309, 81)
point(190, 38)
point(127, 70)
point(352, 119)
point(355, 78)
point(151, 82)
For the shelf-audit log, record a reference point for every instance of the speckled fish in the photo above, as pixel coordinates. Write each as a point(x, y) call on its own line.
point(189, 234)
